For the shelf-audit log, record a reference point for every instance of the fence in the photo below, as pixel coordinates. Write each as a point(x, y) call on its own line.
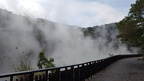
point(78, 72)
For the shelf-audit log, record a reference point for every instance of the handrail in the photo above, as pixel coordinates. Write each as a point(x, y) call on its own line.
point(77, 72)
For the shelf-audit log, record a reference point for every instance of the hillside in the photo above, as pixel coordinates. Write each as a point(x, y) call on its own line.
point(22, 36)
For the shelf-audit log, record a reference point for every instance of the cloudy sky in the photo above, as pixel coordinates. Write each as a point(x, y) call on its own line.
point(73, 12)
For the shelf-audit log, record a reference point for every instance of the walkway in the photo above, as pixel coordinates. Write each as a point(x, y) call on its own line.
point(129, 69)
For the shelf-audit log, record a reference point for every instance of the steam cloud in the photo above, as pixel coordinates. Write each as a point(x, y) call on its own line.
point(25, 37)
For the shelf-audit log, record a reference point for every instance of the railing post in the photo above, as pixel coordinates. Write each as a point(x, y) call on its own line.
point(72, 71)
point(79, 74)
point(31, 77)
point(58, 74)
point(66, 78)
point(46, 75)
point(11, 78)
point(82, 73)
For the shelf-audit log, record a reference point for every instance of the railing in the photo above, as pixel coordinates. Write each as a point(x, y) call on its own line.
point(78, 72)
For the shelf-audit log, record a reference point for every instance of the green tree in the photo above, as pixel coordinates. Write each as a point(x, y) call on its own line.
point(43, 62)
point(131, 28)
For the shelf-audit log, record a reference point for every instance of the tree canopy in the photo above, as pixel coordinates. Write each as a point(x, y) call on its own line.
point(131, 28)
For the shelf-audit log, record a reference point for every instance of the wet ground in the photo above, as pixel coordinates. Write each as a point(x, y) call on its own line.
point(129, 69)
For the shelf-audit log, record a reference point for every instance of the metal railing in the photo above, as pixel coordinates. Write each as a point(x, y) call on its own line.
point(77, 72)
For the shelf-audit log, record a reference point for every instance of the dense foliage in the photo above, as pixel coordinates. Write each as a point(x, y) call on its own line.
point(131, 28)
point(43, 62)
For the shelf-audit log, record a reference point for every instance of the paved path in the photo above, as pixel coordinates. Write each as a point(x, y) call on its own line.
point(129, 69)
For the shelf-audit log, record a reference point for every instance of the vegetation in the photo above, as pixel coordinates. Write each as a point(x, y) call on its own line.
point(131, 28)
point(24, 65)
point(43, 62)
point(88, 32)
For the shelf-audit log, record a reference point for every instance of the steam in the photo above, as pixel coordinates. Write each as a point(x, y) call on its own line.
point(25, 37)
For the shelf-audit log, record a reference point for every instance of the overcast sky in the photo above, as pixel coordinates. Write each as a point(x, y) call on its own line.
point(73, 12)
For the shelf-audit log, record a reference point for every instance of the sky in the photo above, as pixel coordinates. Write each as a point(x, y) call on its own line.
point(83, 13)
